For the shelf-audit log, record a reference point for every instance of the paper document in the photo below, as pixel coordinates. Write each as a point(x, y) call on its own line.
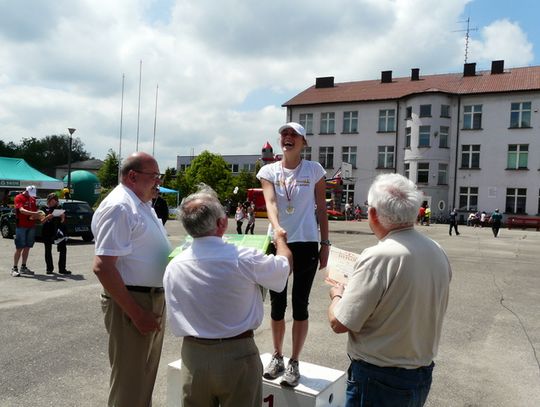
point(340, 264)
point(58, 212)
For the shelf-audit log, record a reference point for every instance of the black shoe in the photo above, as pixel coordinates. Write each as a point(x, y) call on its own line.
point(50, 271)
point(65, 272)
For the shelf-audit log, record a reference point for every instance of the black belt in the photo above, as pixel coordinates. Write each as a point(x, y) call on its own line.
point(246, 334)
point(143, 289)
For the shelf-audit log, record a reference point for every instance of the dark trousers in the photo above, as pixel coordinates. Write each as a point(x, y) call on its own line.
point(239, 227)
point(373, 386)
point(62, 249)
point(453, 225)
point(495, 228)
point(250, 227)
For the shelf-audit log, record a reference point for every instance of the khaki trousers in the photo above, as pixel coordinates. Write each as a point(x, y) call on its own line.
point(134, 358)
point(221, 373)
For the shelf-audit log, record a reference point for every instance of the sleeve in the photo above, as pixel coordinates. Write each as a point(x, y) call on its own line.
point(362, 294)
point(318, 171)
point(113, 232)
point(268, 271)
point(266, 172)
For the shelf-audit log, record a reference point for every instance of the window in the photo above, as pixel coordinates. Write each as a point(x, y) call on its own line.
point(234, 168)
point(472, 117)
point(350, 122)
point(387, 120)
point(327, 123)
point(520, 114)
point(445, 110)
point(468, 198)
point(183, 167)
point(422, 176)
point(306, 153)
point(516, 199)
point(424, 134)
point(442, 178)
point(443, 136)
point(518, 155)
point(470, 156)
point(407, 137)
point(326, 157)
point(408, 112)
point(406, 170)
point(386, 157)
point(249, 167)
point(425, 110)
point(348, 155)
point(348, 193)
point(306, 121)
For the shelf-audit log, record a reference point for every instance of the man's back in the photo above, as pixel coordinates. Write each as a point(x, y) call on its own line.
point(401, 288)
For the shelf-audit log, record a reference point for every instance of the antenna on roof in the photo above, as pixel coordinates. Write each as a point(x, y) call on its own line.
point(467, 35)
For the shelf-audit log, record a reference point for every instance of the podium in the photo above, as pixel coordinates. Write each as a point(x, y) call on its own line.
point(319, 387)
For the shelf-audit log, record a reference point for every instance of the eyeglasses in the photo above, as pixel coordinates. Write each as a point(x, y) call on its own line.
point(156, 175)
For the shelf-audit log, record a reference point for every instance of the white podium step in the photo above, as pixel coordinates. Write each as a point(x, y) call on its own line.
point(319, 387)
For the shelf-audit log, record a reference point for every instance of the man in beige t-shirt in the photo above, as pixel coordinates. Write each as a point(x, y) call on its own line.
point(394, 303)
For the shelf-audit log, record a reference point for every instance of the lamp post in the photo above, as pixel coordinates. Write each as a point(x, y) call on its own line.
point(71, 131)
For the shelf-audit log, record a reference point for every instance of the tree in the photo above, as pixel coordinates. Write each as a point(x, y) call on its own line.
point(108, 173)
point(210, 169)
point(244, 181)
point(168, 178)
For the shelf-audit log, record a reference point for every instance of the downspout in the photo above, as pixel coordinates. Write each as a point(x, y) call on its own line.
point(396, 142)
point(457, 152)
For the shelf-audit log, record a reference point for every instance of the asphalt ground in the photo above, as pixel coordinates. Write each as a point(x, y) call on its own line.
point(53, 345)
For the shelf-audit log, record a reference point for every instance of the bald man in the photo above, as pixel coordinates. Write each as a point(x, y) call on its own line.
point(131, 252)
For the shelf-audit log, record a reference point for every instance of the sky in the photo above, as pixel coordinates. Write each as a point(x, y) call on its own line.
point(220, 70)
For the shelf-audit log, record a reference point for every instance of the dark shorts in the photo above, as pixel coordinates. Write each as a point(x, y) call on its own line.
point(24, 237)
point(305, 262)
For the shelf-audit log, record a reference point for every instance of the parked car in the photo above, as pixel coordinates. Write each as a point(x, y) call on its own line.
point(78, 220)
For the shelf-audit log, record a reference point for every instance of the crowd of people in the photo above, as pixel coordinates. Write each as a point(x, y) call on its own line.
point(391, 308)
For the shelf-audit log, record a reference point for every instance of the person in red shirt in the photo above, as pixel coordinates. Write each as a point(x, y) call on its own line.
point(26, 213)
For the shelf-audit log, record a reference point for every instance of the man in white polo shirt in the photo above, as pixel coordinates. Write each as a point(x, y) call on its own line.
point(214, 302)
point(131, 256)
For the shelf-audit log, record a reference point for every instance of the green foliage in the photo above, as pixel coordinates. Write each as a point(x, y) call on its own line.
point(210, 169)
point(244, 181)
point(46, 153)
point(108, 173)
point(168, 178)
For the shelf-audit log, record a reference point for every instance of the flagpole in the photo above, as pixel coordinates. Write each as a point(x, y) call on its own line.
point(139, 108)
point(121, 125)
point(155, 120)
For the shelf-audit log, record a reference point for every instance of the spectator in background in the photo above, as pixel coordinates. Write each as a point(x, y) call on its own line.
point(483, 219)
point(160, 206)
point(26, 213)
point(453, 222)
point(427, 215)
point(250, 218)
point(239, 217)
point(496, 219)
point(54, 232)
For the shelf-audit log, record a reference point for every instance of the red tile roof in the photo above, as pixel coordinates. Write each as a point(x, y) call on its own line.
point(514, 79)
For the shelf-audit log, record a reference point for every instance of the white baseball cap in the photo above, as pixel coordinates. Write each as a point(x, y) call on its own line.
point(295, 126)
point(31, 189)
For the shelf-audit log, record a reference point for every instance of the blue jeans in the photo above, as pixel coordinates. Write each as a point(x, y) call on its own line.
point(373, 386)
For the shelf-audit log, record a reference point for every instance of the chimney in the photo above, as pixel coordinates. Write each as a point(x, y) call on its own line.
point(386, 77)
point(469, 69)
point(415, 74)
point(324, 82)
point(497, 67)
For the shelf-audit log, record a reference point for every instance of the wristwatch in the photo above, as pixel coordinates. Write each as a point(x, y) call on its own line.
point(326, 242)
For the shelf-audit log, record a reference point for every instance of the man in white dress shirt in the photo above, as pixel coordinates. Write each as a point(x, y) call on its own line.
point(214, 302)
point(131, 256)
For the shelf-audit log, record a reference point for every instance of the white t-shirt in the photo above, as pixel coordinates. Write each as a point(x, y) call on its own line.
point(211, 288)
point(395, 301)
point(126, 227)
point(299, 184)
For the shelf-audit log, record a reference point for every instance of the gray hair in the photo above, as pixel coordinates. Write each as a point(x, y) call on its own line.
point(396, 200)
point(200, 211)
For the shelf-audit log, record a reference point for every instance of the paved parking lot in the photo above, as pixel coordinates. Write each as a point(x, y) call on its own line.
point(54, 350)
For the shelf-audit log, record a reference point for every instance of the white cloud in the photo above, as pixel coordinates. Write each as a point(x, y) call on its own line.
point(61, 64)
point(502, 39)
